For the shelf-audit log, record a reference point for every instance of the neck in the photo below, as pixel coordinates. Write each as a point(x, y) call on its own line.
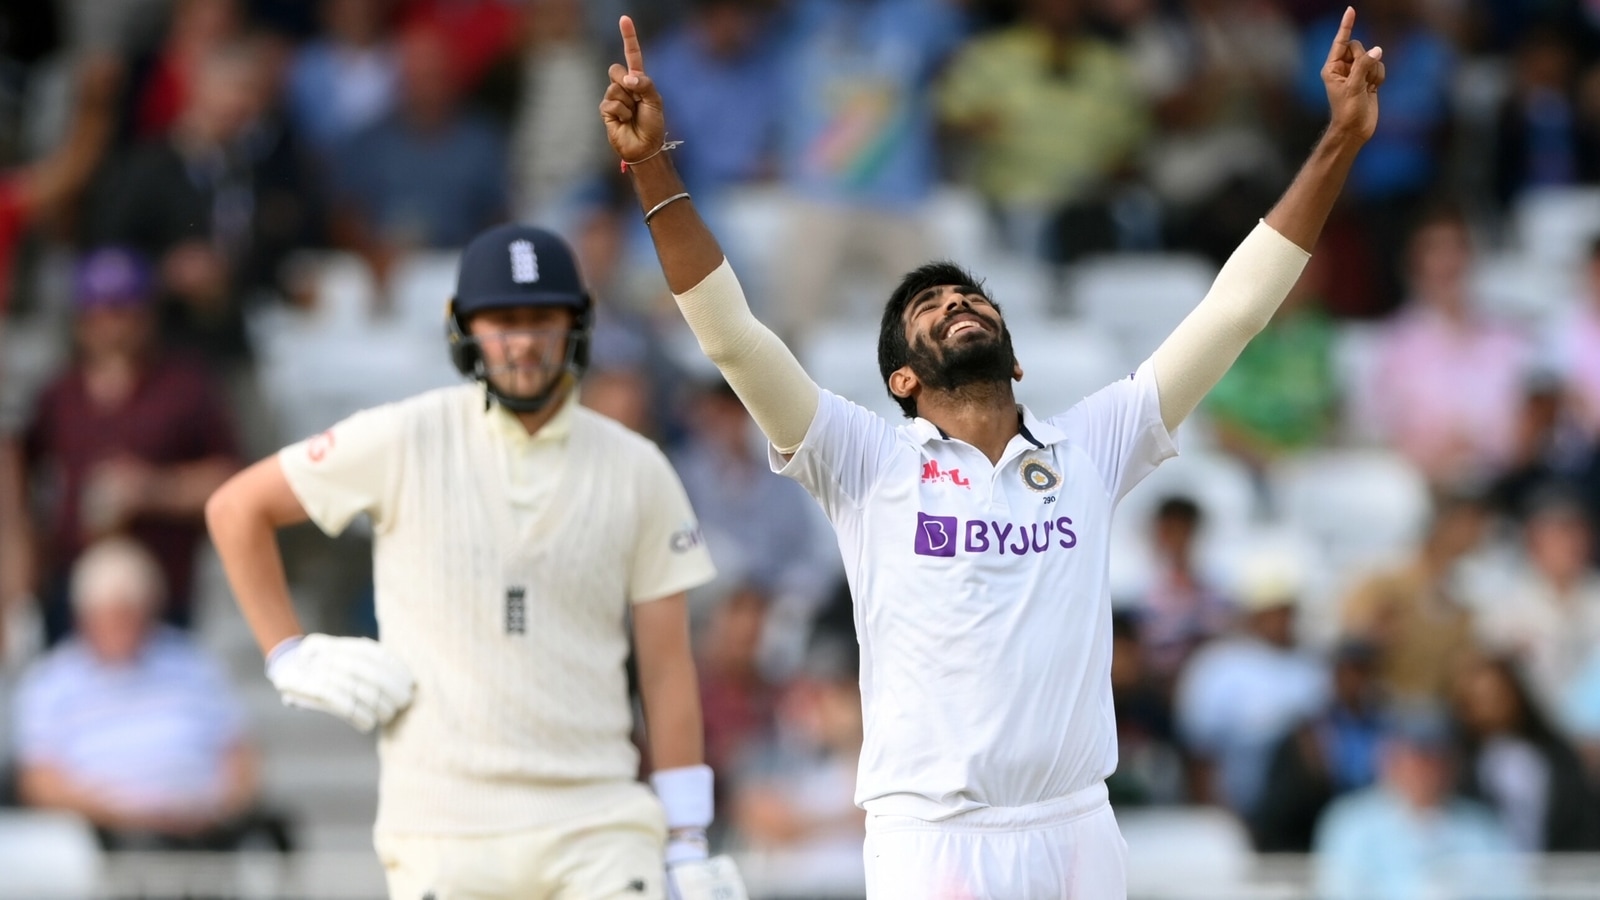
point(983, 415)
point(533, 421)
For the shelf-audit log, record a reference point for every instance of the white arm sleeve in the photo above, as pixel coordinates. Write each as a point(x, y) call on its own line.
point(1248, 290)
point(765, 374)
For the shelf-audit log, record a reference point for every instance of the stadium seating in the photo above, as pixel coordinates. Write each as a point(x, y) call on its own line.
point(1363, 506)
point(1171, 851)
point(1523, 288)
point(1138, 298)
point(1557, 224)
point(45, 855)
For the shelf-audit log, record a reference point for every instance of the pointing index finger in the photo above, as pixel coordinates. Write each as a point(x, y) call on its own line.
point(1341, 41)
point(630, 46)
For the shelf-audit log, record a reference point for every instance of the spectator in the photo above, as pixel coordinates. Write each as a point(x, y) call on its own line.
point(345, 79)
point(1239, 696)
point(475, 32)
point(51, 183)
point(1541, 140)
point(1326, 757)
point(1052, 178)
point(798, 801)
point(719, 73)
point(1446, 383)
point(1519, 765)
point(1415, 614)
point(219, 201)
point(1550, 451)
point(1574, 340)
point(543, 94)
point(1580, 713)
point(198, 29)
point(429, 176)
point(129, 439)
point(736, 699)
point(759, 525)
point(1400, 166)
point(130, 725)
point(1149, 768)
point(1410, 835)
point(1218, 74)
point(1182, 608)
point(1549, 619)
point(1282, 395)
point(856, 149)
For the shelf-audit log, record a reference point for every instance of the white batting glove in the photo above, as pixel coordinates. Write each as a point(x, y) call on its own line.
point(716, 878)
point(357, 679)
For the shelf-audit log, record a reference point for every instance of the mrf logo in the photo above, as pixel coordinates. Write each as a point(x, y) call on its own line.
point(932, 474)
point(945, 535)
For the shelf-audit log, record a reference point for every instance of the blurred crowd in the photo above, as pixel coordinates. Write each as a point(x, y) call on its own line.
point(180, 178)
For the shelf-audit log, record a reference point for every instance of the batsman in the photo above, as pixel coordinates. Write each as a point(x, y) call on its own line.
point(517, 534)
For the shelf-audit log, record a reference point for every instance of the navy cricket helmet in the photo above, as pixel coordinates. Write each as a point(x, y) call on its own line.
point(516, 265)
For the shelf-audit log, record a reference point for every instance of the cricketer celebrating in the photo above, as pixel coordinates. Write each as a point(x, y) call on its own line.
point(981, 600)
point(515, 532)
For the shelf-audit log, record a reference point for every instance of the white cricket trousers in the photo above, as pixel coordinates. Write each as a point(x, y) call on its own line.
point(611, 854)
point(1063, 849)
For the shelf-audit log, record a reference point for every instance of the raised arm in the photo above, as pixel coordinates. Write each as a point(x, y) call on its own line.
point(1266, 265)
point(761, 370)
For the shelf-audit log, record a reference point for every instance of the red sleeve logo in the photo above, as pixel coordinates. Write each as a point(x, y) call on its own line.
point(318, 446)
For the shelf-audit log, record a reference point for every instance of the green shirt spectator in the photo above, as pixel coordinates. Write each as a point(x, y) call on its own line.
point(1282, 394)
point(1052, 111)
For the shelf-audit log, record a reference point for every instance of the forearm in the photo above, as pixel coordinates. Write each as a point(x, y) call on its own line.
point(182, 490)
point(687, 248)
point(672, 715)
point(247, 543)
point(765, 374)
point(44, 787)
point(16, 532)
point(1303, 209)
point(241, 781)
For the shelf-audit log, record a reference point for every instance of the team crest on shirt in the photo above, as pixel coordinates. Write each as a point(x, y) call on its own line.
point(1038, 476)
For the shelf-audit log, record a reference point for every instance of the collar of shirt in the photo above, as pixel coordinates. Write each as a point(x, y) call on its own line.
point(555, 431)
point(1035, 431)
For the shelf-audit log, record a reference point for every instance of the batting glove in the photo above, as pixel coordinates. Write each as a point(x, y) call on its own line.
point(705, 879)
point(357, 679)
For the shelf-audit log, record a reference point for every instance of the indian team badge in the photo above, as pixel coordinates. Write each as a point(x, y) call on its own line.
point(1038, 476)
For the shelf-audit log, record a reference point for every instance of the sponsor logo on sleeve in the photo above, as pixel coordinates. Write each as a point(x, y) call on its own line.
point(318, 447)
point(685, 538)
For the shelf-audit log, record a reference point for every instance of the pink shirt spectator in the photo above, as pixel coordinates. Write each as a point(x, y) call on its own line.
point(1447, 392)
point(1576, 343)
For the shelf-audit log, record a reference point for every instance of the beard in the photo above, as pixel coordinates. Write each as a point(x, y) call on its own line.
point(987, 361)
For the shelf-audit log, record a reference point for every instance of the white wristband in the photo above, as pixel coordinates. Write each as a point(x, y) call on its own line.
point(281, 650)
point(686, 795)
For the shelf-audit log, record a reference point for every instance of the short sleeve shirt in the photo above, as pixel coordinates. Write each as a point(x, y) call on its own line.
point(981, 595)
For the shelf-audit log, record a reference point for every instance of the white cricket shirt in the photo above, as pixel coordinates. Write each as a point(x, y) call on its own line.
point(981, 596)
point(504, 565)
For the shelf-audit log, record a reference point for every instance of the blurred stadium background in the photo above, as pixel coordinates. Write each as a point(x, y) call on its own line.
point(1358, 645)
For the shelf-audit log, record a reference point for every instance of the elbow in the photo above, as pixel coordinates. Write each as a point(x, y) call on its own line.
point(224, 508)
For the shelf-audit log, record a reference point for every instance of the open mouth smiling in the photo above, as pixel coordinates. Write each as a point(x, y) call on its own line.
point(962, 323)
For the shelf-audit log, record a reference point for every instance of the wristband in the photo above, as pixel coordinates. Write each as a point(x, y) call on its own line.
point(686, 796)
point(282, 650)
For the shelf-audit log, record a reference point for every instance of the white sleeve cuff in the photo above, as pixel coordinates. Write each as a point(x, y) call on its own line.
point(686, 795)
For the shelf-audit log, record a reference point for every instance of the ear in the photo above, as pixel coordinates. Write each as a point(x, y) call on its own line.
point(1016, 369)
point(904, 383)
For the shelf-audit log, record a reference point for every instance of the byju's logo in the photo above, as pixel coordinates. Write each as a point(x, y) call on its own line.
point(940, 535)
point(936, 535)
